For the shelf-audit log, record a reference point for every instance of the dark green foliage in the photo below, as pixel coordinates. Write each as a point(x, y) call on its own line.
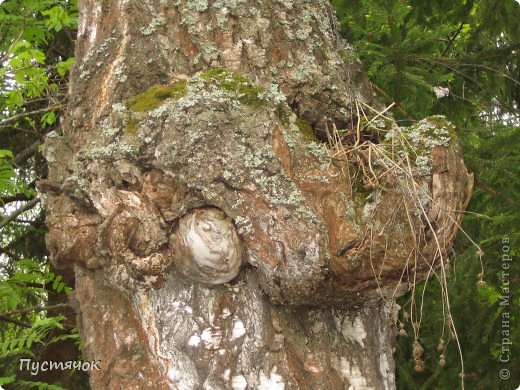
point(468, 51)
point(411, 47)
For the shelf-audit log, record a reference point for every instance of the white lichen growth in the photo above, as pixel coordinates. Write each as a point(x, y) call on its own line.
point(418, 140)
point(153, 26)
point(430, 132)
point(120, 73)
point(352, 330)
point(244, 225)
point(227, 3)
point(273, 94)
point(422, 162)
point(198, 5)
point(119, 108)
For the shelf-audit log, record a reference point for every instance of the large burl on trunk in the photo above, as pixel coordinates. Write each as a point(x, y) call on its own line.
point(217, 243)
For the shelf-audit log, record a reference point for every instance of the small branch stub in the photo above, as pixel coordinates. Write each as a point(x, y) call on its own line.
point(206, 247)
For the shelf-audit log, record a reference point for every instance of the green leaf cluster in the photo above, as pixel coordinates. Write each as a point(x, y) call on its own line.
point(36, 53)
point(28, 326)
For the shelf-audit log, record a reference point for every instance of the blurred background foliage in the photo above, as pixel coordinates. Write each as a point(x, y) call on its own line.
point(459, 59)
point(36, 51)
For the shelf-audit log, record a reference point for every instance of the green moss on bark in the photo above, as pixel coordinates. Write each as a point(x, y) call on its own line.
point(131, 126)
point(306, 129)
point(247, 92)
point(154, 96)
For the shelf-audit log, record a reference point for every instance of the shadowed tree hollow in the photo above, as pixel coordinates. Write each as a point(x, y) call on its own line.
point(238, 209)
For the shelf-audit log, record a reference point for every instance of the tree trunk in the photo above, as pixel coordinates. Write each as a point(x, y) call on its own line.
point(217, 243)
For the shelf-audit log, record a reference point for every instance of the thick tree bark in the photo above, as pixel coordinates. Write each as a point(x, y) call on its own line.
point(216, 243)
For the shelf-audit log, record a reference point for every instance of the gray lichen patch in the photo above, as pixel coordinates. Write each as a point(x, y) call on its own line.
point(198, 5)
point(153, 26)
point(236, 85)
point(418, 141)
point(430, 132)
point(227, 3)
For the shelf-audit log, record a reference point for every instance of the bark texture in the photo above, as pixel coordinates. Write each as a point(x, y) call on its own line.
point(216, 244)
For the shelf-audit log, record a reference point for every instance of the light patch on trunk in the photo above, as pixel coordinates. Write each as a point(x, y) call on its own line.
point(384, 366)
point(353, 331)
point(201, 247)
point(226, 374)
point(129, 339)
point(312, 364)
point(116, 340)
point(183, 374)
point(238, 330)
point(317, 327)
point(82, 25)
point(225, 313)
point(93, 33)
point(194, 341)
point(353, 375)
point(93, 24)
point(172, 374)
point(272, 382)
point(108, 84)
point(212, 338)
point(238, 382)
